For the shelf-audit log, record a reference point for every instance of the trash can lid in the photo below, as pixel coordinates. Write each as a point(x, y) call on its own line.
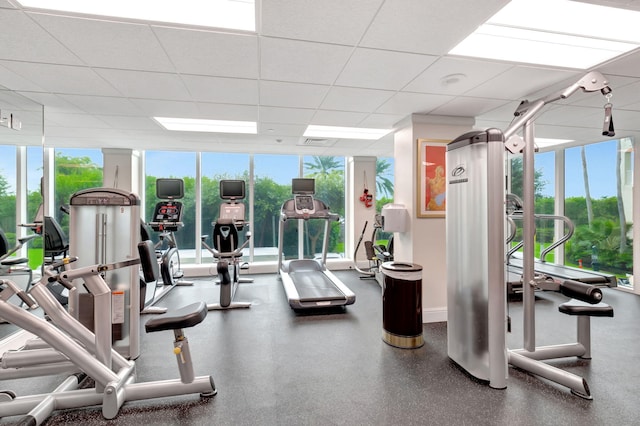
point(397, 266)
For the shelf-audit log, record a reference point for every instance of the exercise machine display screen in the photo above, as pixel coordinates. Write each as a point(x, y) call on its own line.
point(232, 189)
point(304, 204)
point(169, 189)
point(303, 186)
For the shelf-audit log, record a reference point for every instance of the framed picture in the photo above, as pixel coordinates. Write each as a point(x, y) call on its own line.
point(432, 178)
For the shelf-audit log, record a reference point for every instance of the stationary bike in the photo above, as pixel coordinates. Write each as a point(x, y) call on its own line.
point(226, 249)
point(167, 219)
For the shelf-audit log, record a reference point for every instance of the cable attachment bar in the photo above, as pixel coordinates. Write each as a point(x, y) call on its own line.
point(607, 127)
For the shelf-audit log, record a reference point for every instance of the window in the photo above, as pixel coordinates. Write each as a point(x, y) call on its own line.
point(75, 169)
point(330, 188)
point(216, 167)
point(172, 164)
point(598, 201)
point(271, 188)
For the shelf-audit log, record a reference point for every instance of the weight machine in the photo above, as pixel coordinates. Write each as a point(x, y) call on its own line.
point(476, 287)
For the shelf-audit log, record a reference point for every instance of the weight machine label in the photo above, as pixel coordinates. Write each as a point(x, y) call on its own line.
point(117, 307)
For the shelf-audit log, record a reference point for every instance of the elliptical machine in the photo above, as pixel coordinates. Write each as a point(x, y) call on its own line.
point(166, 220)
point(225, 247)
point(376, 253)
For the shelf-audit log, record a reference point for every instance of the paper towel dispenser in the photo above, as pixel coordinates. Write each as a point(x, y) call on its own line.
point(395, 218)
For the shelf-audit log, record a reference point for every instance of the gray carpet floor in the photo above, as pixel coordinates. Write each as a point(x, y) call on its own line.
point(273, 366)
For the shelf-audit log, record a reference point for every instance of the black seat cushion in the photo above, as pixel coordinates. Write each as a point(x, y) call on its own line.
point(576, 307)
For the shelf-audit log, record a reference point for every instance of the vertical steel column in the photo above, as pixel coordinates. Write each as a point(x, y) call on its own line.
point(529, 226)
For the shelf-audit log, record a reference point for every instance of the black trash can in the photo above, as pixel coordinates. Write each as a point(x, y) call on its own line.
point(402, 305)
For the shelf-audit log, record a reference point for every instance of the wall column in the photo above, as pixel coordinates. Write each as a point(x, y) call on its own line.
point(424, 243)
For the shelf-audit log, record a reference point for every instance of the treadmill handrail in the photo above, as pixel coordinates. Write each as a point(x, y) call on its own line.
point(554, 244)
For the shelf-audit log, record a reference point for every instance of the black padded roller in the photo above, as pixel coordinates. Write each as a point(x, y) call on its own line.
point(581, 291)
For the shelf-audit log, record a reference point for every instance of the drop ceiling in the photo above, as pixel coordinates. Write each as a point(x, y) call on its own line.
point(351, 63)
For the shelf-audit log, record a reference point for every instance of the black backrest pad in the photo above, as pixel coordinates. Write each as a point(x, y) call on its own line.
point(148, 261)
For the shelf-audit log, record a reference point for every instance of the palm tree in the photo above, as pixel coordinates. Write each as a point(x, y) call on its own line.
point(323, 165)
point(384, 185)
point(587, 193)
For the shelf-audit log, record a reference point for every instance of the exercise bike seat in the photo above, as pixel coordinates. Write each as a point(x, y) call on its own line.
point(184, 317)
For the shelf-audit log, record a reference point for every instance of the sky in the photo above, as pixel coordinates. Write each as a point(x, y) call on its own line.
point(601, 167)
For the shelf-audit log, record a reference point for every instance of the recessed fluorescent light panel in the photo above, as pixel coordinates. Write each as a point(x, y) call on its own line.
point(314, 131)
point(230, 14)
point(207, 126)
point(559, 33)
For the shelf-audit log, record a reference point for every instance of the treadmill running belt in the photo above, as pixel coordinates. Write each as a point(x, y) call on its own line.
point(314, 285)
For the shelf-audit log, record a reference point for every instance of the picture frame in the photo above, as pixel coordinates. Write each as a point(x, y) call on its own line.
point(431, 194)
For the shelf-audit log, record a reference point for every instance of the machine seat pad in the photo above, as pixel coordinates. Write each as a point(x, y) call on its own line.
point(576, 307)
point(13, 261)
point(184, 317)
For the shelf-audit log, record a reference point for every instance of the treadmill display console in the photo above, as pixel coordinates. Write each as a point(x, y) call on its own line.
point(304, 204)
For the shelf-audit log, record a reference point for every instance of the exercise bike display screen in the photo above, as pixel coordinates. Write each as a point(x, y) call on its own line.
point(304, 203)
point(168, 212)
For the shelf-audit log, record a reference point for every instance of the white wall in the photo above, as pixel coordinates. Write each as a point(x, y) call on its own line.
point(425, 241)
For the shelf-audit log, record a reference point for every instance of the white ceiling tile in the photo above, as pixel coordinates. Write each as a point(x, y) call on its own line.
point(382, 69)
point(519, 82)
point(227, 112)
point(24, 40)
point(431, 27)
point(222, 89)
point(355, 99)
point(149, 85)
point(6, 4)
point(62, 78)
point(467, 107)
point(300, 61)
point(53, 103)
point(14, 81)
point(413, 103)
point(165, 108)
point(327, 21)
point(453, 76)
point(210, 53)
point(382, 121)
point(293, 95)
point(124, 122)
point(108, 44)
point(102, 105)
point(286, 115)
point(75, 121)
point(338, 118)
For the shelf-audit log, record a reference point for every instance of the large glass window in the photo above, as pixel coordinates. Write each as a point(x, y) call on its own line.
point(216, 167)
point(8, 191)
point(328, 173)
point(172, 164)
point(597, 200)
point(272, 187)
point(75, 169)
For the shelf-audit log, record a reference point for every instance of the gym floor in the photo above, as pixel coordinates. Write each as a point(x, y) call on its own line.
point(275, 367)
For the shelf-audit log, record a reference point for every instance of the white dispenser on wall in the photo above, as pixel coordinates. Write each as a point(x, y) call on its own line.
point(394, 218)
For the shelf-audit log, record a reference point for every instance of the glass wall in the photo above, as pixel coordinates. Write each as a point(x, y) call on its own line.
point(328, 173)
point(173, 164)
point(272, 176)
point(216, 167)
point(75, 169)
point(598, 182)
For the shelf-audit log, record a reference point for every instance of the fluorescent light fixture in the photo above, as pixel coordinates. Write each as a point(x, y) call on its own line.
point(333, 132)
point(547, 142)
point(230, 14)
point(560, 33)
point(209, 126)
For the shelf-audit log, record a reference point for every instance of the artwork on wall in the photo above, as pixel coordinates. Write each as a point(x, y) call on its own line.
point(432, 185)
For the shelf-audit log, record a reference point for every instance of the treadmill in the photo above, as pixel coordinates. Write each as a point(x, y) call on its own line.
point(307, 282)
